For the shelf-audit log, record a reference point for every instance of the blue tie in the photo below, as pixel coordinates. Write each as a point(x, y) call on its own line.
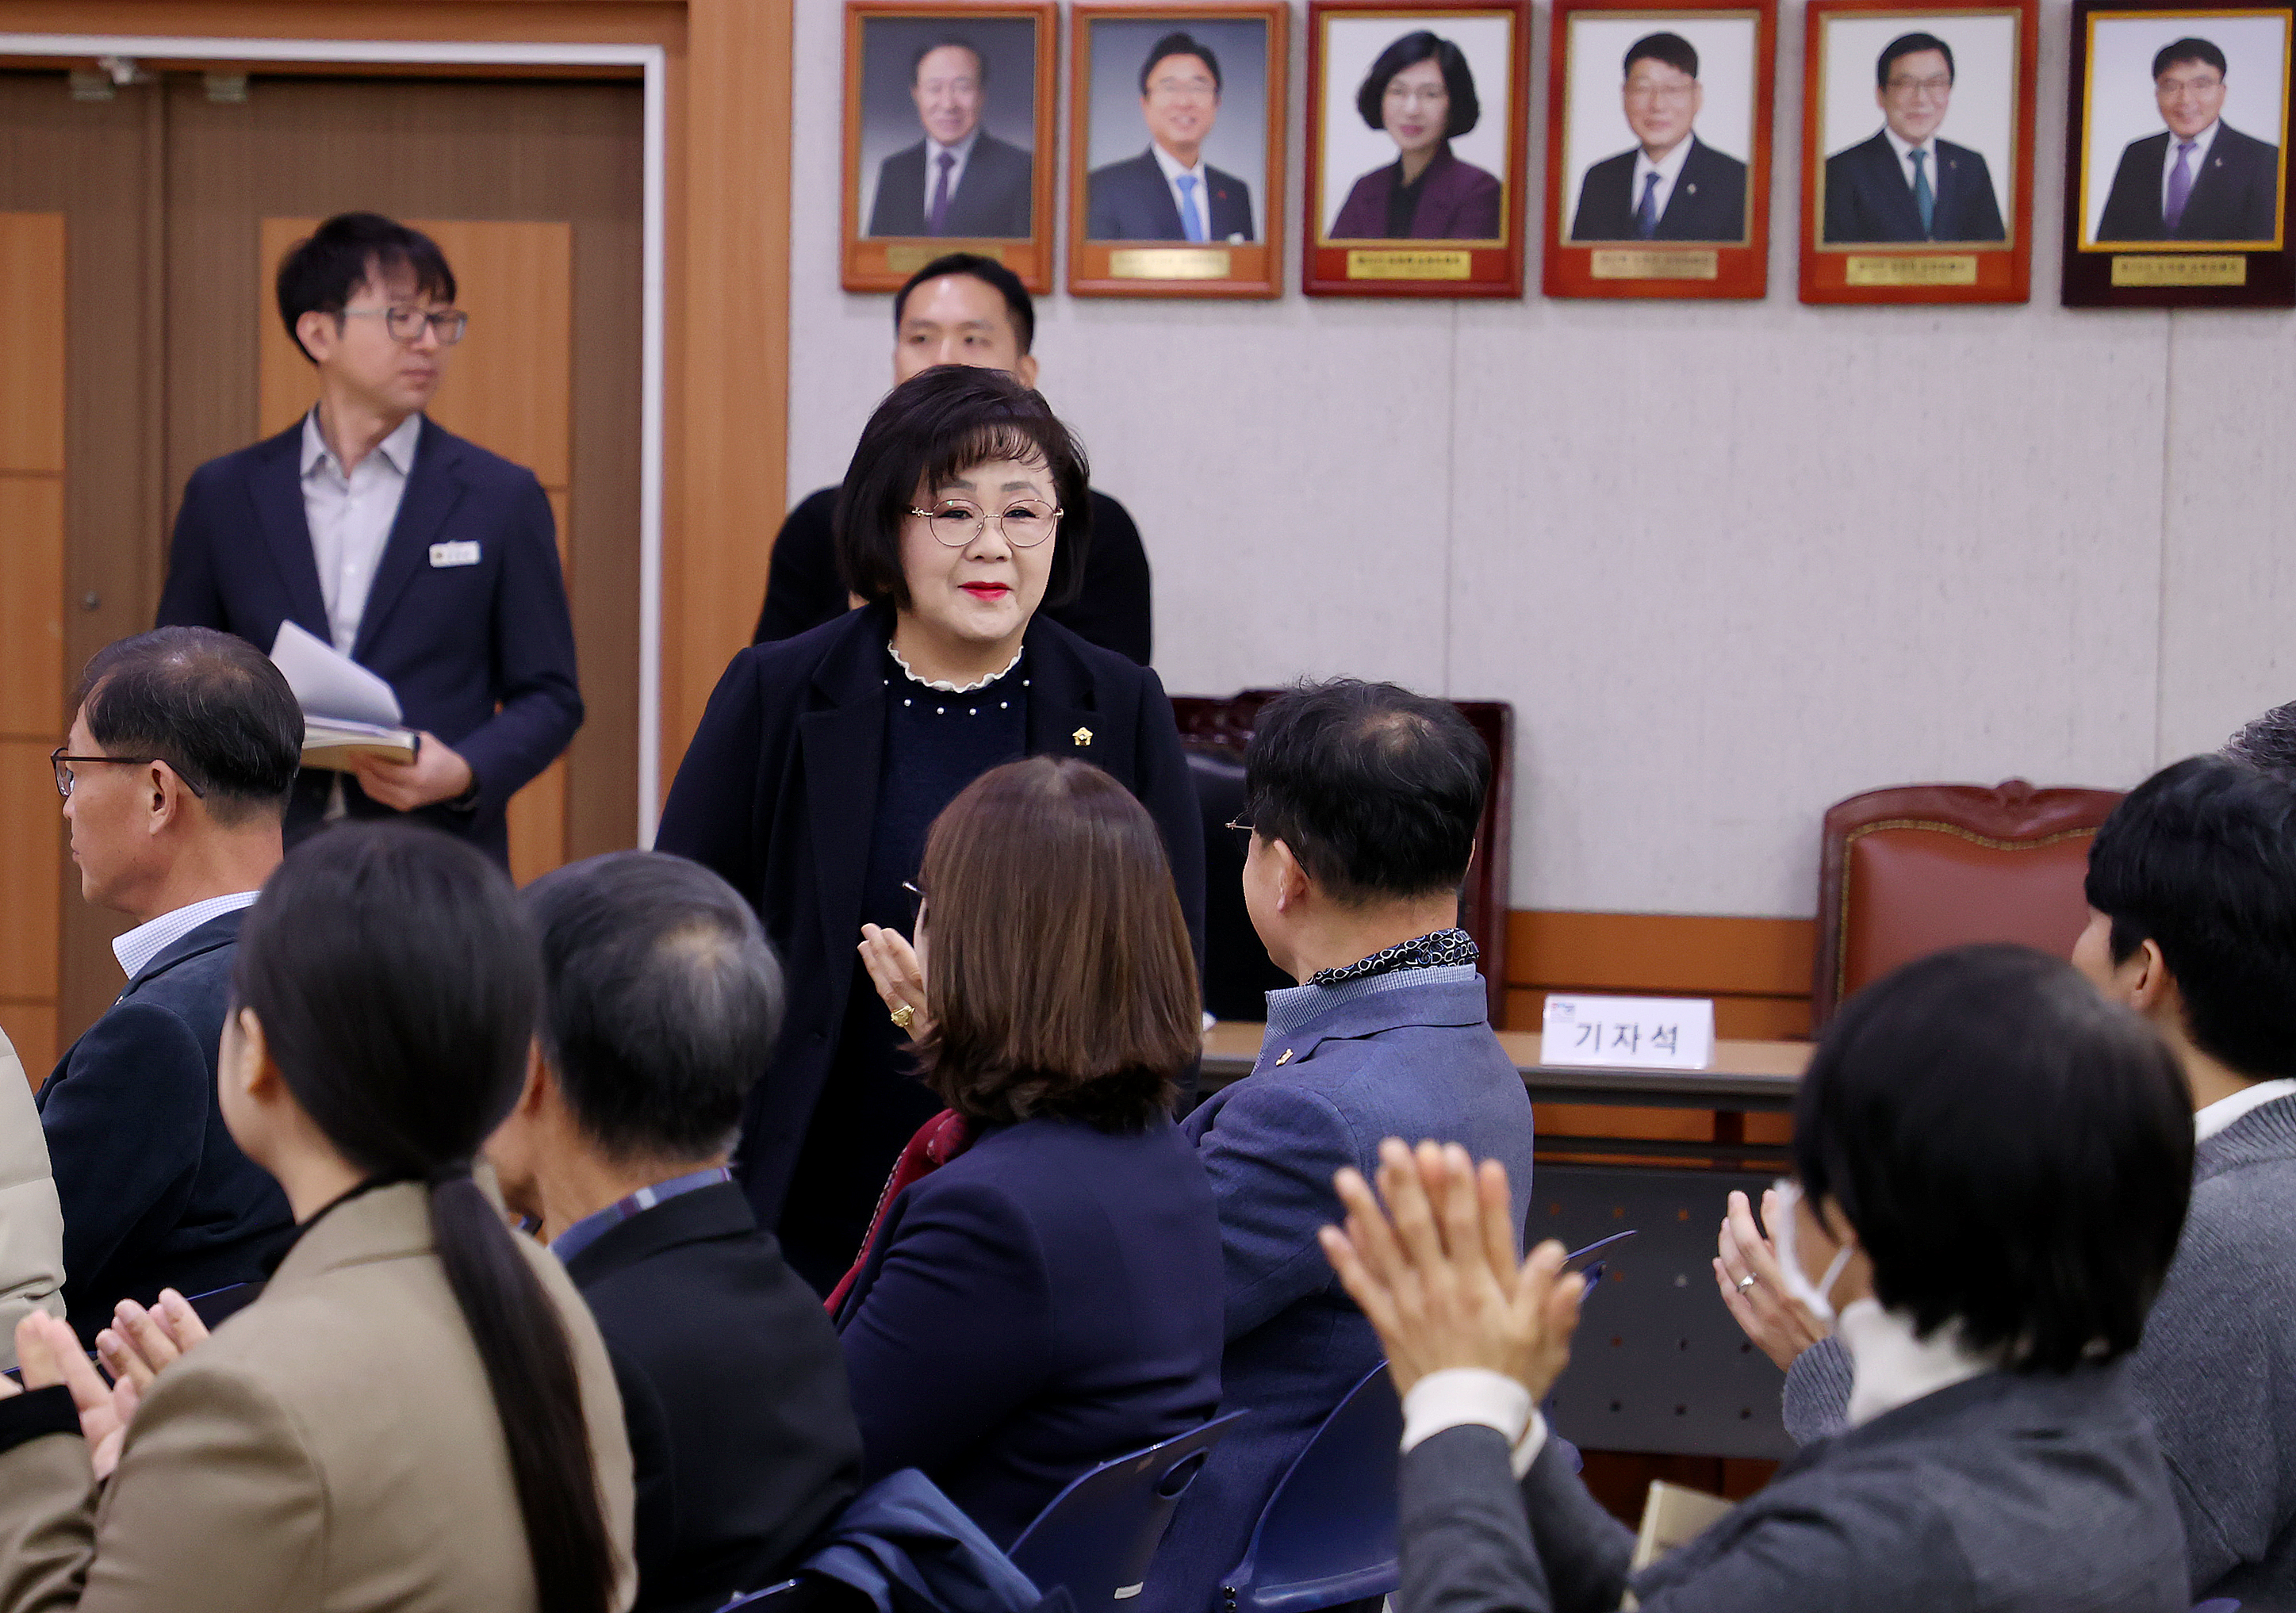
point(1647, 215)
point(1191, 224)
point(1925, 198)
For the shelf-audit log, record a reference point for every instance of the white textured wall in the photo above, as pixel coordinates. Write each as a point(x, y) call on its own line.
point(1731, 561)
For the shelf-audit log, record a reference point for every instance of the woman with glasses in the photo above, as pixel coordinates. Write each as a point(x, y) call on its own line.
point(1420, 93)
point(1991, 1165)
point(822, 760)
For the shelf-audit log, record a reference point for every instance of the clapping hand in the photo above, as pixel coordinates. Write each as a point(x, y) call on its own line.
point(896, 974)
point(1780, 1325)
point(140, 1342)
point(1435, 1270)
point(49, 1353)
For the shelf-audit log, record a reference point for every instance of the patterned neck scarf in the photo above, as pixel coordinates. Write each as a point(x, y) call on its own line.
point(1442, 950)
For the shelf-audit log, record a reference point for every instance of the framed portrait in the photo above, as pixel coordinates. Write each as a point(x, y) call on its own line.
point(1176, 149)
point(2176, 157)
point(1917, 152)
point(1418, 120)
point(948, 138)
point(1658, 149)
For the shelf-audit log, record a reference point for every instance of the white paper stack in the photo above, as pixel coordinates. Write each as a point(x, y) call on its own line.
point(346, 709)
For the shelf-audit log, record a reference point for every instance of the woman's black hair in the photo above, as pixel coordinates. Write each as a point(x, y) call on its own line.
point(2015, 1152)
point(399, 986)
point(1410, 50)
point(938, 424)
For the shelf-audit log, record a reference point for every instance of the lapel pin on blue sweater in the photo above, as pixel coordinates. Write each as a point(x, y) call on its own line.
point(1082, 736)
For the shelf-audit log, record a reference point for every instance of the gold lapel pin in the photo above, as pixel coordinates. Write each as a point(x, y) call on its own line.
point(1285, 1058)
point(1082, 736)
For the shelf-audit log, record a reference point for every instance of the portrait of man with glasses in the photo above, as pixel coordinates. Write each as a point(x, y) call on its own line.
point(1905, 184)
point(1170, 192)
point(419, 555)
point(1671, 185)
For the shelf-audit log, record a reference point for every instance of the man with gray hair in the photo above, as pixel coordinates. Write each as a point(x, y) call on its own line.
point(664, 1002)
point(2268, 742)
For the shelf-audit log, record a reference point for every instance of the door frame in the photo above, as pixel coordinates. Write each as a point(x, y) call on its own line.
point(652, 61)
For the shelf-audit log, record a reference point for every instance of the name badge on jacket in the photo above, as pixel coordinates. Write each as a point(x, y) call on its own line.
point(464, 553)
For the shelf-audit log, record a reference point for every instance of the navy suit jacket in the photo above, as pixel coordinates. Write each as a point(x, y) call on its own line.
point(2235, 197)
point(1132, 201)
point(994, 193)
point(1416, 1060)
point(1867, 198)
point(778, 794)
point(1708, 203)
point(1046, 1301)
point(481, 655)
point(155, 1193)
point(742, 1435)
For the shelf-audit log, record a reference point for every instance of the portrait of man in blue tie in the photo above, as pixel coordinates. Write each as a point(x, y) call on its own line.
point(1671, 185)
point(959, 182)
point(1170, 192)
point(1905, 184)
point(2200, 179)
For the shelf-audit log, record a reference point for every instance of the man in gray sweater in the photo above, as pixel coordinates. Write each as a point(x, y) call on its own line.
point(2192, 890)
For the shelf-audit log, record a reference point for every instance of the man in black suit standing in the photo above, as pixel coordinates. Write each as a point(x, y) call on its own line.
point(1169, 193)
point(959, 180)
point(175, 779)
point(421, 556)
point(1905, 184)
point(2200, 179)
point(664, 1002)
point(1672, 186)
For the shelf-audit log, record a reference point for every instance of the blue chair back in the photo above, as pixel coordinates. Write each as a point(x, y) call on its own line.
point(1096, 1536)
point(1328, 1534)
point(217, 1302)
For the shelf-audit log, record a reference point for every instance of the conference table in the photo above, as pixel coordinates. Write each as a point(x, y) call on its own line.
point(1659, 1366)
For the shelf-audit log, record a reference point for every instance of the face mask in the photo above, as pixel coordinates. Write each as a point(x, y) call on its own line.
point(1782, 1236)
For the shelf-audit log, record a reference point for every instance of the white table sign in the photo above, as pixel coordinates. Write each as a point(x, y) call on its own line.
point(1639, 1033)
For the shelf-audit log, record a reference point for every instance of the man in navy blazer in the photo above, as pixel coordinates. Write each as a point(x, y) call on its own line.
point(2200, 179)
point(1905, 184)
point(1364, 800)
point(422, 557)
point(1169, 193)
point(1672, 186)
point(175, 779)
point(960, 180)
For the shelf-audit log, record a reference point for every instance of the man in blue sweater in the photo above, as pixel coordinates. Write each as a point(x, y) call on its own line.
point(1362, 801)
point(2192, 891)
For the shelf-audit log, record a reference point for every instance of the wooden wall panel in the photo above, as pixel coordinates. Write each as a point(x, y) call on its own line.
point(32, 342)
point(31, 602)
point(30, 886)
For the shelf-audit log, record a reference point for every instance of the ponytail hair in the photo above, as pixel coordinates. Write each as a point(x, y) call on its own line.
point(399, 984)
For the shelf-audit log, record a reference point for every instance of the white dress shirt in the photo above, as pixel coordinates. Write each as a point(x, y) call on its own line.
point(1461, 1396)
point(350, 517)
point(137, 948)
point(1891, 1367)
point(1668, 168)
point(2199, 159)
point(1201, 202)
point(2224, 1111)
point(1905, 149)
point(961, 151)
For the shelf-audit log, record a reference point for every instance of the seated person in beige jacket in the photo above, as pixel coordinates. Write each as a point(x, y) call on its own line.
point(416, 1413)
point(31, 1221)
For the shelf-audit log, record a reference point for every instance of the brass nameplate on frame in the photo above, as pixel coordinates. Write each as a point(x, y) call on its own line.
point(1655, 263)
point(1170, 263)
point(1897, 269)
point(2130, 269)
point(909, 259)
point(1388, 264)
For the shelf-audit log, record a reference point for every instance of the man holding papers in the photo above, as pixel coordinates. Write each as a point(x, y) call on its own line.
point(428, 562)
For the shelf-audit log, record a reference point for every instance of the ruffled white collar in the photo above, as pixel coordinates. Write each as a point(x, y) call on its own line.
point(942, 683)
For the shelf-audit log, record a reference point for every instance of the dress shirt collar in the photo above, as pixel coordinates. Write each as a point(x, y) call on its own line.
point(595, 1226)
point(961, 151)
point(137, 948)
point(398, 449)
point(2206, 138)
point(1295, 1007)
point(1905, 147)
point(1173, 167)
point(1668, 167)
point(1891, 1367)
point(2224, 1111)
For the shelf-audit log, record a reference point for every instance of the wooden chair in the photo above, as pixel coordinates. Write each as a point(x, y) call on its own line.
point(1914, 870)
point(1215, 732)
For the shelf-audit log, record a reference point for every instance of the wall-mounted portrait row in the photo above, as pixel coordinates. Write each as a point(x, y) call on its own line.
point(1918, 180)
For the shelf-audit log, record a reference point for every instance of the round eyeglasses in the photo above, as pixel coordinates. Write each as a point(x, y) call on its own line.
point(957, 522)
point(407, 325)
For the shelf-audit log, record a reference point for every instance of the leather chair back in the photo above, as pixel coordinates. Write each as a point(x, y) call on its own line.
point(1918, 868)
point(1214, 732)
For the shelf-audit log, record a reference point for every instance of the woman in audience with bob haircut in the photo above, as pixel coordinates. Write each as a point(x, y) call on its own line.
point(416, 1413)
point(822, 759)
point(1047, 1296)
point(1992, 1165)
